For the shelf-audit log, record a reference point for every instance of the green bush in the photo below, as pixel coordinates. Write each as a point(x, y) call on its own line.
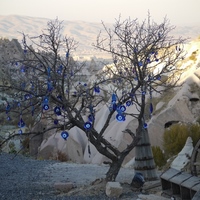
point(174, 138)
point(159, 156)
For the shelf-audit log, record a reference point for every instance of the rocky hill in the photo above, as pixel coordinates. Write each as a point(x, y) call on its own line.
point(83, 32)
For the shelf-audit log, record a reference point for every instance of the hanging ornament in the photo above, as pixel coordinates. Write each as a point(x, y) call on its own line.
point(27, 96)
point(145, 125)
point(20, 131)
point(114, 106)
point(65, 135)
point(49, 86)
point(67, 55)
point(7, 108)
point(91, 118)
point(55, 121)
point(21, 123)
point(122, 108)
point(25, 51)
point(114, 97)
point(148, 60)
point(46, 100)
point(87, 125)
point(22, 69)
point(151, 108)
point(128, 103)
point(97, 89)
point(59, 97)
point(46, 107)
point(158, 77)
point(57, 110)
point(8, 118)
point(48, 71)
point(120, 117)
point(140, 63)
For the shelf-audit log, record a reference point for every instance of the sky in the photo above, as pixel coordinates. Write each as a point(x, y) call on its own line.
point(179, 12)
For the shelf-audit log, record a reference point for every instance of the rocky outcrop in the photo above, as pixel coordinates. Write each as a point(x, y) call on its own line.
point(183, 158)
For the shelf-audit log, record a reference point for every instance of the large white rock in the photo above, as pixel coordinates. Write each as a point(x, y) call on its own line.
point(113, 189)
point(73, 147)
point(183, 157)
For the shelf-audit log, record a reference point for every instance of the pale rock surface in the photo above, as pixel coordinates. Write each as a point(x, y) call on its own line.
point(113, 189)
point(73, 147)
point(183, 157)
point(151, 197)
point(63, 187)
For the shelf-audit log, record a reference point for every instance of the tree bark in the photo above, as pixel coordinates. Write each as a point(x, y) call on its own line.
point(114, 169)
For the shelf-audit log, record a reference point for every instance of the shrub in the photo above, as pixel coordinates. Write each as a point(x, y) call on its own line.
point(61, 156)
point(159, 156)
point(174, 138)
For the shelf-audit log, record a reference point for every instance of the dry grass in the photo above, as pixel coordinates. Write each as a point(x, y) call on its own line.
point(61, 156)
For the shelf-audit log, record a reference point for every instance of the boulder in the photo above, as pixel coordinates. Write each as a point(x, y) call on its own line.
point(183, 157)
point(113, 189)
point(63, 187)
point(72, 148)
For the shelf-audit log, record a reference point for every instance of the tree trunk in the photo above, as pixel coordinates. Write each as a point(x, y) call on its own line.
point(114, 169)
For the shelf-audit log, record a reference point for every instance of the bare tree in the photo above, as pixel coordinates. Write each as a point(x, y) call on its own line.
point(47, 83)
point(147, 59)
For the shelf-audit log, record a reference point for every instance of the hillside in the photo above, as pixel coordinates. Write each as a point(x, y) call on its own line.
point(83, 32)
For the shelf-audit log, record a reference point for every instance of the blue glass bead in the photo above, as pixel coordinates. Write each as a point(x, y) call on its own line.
point(145, 125)
point(46, 100)
point(46, 107)
point(20, 131)
point(7, 108)
point(8, 118)
point(91, 118)
point(140, 64)
point(49, 86)
point(128, 103)
point(65, 135)
point(114, 97)
point(59, 97)
point(87, 125)
point(122, 108)
point(27, 96)
point(23, 69)
point(158, 77)
point(59, 71)
point(114, 106)
point(120, 117)
point(55, 121)
point(21, 123)
point(57, 110)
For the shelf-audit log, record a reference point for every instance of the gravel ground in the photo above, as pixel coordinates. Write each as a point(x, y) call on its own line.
point(23, 178)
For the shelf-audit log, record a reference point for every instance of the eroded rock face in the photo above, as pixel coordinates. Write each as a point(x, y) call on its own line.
point(72, 148)
point(183, 158)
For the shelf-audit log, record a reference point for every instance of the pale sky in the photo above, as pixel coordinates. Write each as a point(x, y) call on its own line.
point(179, 12)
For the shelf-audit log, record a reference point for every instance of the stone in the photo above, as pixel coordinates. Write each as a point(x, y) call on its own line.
point(113, 189)
point(183, 157)
point(63, 187)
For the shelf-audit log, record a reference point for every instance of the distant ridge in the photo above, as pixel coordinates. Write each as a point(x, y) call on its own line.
point(83, 32)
